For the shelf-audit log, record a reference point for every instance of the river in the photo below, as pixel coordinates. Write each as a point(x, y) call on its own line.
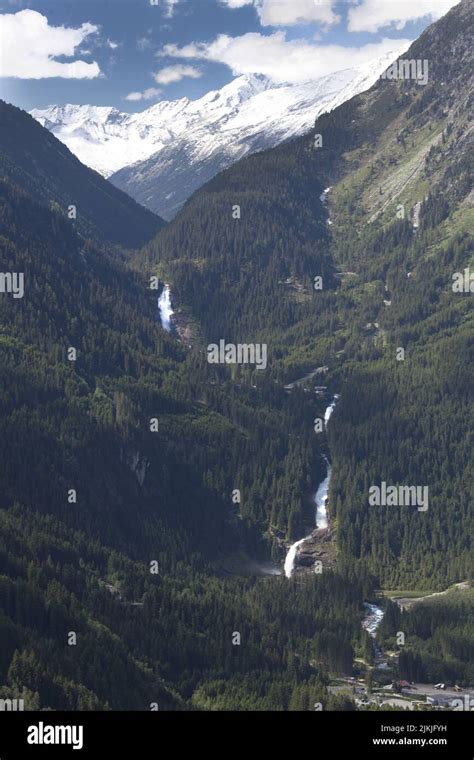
point(320, 499)
point(372, 619)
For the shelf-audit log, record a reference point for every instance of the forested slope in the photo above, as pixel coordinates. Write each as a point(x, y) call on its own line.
point(115, 540)
point(398, 162)
point(33, 158)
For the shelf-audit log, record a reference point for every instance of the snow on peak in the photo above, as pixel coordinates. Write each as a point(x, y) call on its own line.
point(247, 114)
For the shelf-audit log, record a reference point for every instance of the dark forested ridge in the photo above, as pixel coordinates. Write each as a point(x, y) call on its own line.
point(34, 159)
point(117, 522)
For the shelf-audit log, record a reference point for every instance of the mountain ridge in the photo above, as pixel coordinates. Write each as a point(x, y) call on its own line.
point(161, 155)
point(33, 158)
point(387, 275)
point(139, 565)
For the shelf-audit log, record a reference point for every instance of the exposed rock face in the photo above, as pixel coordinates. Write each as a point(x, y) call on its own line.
point(320, 546)
point(183, 327)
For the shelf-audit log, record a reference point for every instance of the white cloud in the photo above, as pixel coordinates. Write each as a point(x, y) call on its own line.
point(111, 44)
point(237, 3)
point(290, 12)
point(149, 94)
point(29, 46)
point(372, 15)
point(175, 73)
point(282, 60)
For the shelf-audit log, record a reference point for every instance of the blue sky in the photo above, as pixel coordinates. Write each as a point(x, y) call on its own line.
point(131, 53)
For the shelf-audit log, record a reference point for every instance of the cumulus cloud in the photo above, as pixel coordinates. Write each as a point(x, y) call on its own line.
point(290, 12)
point(149, 94)
point(372, 15)
point(175, 73)
point(363, 15)
point(165, 76)
point(282, 60)
point(29, 47)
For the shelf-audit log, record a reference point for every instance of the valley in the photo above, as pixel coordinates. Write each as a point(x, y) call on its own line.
point(222, 553)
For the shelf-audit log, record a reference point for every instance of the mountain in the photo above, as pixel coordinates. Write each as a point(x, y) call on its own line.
point(139, 483)
point(161, 155)
point(118, 464)
point(33, 158)
point(383, 213)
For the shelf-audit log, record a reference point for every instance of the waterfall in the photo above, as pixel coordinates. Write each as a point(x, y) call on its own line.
point(165, 308)
point(320, 499)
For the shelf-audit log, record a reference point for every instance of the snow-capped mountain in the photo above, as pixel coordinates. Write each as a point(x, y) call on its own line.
point(163, 154)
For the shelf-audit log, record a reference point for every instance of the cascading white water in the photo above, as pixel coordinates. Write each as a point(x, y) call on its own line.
point(165, 308)
point(372, 619)
point(291, 556)
point(370, 623)
point(320, 500)
point(330, 409)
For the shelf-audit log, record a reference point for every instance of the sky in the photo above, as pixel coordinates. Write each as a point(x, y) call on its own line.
point(133, 53)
